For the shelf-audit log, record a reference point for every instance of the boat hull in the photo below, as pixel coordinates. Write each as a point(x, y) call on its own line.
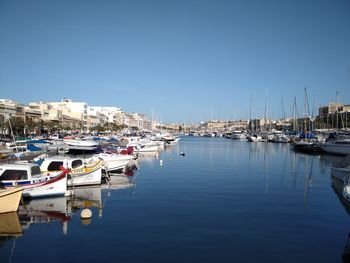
point(90, 178)
point(54, 187)
point(238, 136)
point(341, 149)
point(342, 174)
point(9, 199)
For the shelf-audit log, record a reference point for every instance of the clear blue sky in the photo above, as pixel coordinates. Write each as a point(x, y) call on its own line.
point(179, 58)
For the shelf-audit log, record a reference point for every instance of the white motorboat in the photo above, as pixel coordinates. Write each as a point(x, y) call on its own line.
point(172, 142)
point(82, 172)
point(238, 135)
point(256, 138)
point(33, 182)
point(115, 162)
point(146, 149)
point(341, 146)
point(80, 143)
point(280, 138)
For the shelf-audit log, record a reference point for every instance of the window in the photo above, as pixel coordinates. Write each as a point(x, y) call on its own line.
point(35, 170)
point(14, 175)
point(76, 163)
point(54, 166)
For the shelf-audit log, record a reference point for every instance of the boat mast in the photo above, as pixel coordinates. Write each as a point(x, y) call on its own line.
point(305, 122)
point(250, 114)
point(336, 110)
point(313, 114)
point(211, 120)
point(283, 111)
point(295, 114)
point(13, 136)
point(265, 113)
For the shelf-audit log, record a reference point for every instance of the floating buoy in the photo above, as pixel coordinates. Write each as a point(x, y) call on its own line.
point(85, 213)
point(161, 162)
point(182, 154)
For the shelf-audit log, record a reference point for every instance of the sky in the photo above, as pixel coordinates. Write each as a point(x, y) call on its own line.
point(185, 61)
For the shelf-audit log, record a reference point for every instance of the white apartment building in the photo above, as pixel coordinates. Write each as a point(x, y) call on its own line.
point(48, 113)
point(7, 108)
point(134, 120)
point(72, 109)
point(113, 114)
point(95, 118)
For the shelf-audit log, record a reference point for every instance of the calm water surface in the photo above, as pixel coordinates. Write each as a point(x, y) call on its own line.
point(225, 201)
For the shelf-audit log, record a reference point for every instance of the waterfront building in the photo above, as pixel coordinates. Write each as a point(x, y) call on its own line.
point(334, 115)
point(238, 125)
point(260, 124)
point(59, 116)
point(71, 109)
point(7, 109)
point(95, 118)
point(48, 112)
point(112, 114)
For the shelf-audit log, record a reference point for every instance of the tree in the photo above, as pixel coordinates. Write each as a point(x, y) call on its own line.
point(17, 125)
point(51, 125)
point(31, 125)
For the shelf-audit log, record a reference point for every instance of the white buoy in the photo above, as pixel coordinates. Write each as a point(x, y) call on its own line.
point(161, 162)
point(85, 213)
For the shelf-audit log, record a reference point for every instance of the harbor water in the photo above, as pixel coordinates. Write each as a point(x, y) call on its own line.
point(222, 201)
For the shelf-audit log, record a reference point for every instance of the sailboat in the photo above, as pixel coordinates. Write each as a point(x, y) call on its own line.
point(308, 142)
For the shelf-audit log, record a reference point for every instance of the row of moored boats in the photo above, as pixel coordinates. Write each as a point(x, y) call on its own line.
point(84, 162)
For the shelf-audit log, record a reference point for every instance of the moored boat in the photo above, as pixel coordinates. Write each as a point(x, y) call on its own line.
point(238, 135)
point(82, 172)
point(9, 199)
point(341, 146)
point(82, 143)
point(115, 162)
point(304, 146)
point(34, 183)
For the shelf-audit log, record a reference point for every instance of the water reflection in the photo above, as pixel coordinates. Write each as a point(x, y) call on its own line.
point(337, 187)
point(43, 211)
point(10, 225)
point(60, 209)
